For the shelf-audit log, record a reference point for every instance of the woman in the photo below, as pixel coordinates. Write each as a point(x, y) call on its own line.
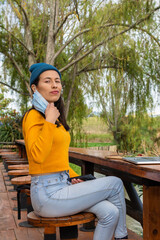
point(47, 142)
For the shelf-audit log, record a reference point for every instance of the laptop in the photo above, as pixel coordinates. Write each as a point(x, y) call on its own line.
point(143, 160)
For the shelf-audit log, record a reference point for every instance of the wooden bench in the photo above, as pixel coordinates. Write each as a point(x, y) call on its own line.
point(50, 224)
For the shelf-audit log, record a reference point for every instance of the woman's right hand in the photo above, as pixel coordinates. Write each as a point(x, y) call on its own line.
point(51, 113)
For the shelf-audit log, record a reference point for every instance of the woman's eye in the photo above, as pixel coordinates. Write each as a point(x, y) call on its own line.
point(47, 81)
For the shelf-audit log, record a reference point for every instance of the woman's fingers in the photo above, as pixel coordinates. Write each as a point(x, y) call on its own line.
point(51, 113)
point(76, 180)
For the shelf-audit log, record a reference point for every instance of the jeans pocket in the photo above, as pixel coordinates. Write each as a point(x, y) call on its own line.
point(51, 186)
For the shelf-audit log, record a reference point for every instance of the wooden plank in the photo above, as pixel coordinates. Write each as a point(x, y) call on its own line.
point(28, 233)
point(151, 212)
point(7, 235)
point(2, 185)
point(6, 217)
point(133, 235)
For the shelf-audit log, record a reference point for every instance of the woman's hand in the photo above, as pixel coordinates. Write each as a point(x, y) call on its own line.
point(76, 180)
point(51, 113)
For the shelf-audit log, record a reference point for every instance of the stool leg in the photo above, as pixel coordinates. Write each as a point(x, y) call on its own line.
point(50, 233)
point(69, 232)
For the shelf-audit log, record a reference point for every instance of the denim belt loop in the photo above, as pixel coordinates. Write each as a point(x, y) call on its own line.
point(35, 179)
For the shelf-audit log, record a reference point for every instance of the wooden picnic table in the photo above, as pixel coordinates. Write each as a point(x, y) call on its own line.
point(110, 163)
point(147, 175)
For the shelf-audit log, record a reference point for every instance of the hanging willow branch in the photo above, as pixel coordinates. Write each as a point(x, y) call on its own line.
point(22, 93)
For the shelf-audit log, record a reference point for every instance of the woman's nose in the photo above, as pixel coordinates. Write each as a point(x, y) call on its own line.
point(53, 84)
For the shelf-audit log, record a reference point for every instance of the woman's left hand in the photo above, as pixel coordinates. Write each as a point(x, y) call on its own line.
point(76, 180)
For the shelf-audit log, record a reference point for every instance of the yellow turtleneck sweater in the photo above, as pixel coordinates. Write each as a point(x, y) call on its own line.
point(46, 144)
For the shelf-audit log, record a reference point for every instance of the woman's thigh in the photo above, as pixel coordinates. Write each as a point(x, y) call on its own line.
point(79, 197)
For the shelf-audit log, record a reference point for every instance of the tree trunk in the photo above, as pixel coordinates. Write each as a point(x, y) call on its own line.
point(50, 52)
point(67, 105)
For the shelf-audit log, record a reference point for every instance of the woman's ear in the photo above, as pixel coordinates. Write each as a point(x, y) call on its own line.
point(33, 87)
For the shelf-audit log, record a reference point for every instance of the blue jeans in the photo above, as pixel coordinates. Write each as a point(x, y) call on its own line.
point(54, 196)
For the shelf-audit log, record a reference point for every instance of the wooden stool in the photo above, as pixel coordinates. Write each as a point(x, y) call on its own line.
point(10, 155)
point(21, 180)
point(13, 158)
point(15, 173)
point(50, 224)
point(7, 154)
point(18, 167)
point(19, 172)
point(13, 162)
point(5, 150)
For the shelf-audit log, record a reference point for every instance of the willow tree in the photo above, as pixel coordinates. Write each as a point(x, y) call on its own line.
point(75, 36)
point(127, 88)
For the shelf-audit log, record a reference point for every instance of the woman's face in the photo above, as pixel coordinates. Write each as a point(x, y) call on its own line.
point(49, 86)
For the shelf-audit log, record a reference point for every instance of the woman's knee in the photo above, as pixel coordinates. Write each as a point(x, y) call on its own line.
point(116, 182)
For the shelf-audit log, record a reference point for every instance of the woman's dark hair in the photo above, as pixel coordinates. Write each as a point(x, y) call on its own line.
point(60, 106)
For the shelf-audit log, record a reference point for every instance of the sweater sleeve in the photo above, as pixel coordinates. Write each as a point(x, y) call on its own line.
point(39, 135)
point(72, 173)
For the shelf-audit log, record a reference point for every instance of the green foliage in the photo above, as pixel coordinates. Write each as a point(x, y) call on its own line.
point(137, 133)
point(4, 102)
point(76, 168)
point(120, 71)
point(78, 136)
point(105, 137)
point(10, 126)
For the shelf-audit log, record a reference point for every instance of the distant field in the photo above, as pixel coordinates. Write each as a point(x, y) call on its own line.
point(97, 135)
point(96, 131)
point(95, 125)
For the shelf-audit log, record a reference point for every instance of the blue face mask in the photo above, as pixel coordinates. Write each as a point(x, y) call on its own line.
point(39, 102)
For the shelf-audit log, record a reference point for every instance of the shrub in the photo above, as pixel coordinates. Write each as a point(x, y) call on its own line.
point(10, 126)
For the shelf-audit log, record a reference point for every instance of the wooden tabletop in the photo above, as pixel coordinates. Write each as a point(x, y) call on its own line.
point(115, 161)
